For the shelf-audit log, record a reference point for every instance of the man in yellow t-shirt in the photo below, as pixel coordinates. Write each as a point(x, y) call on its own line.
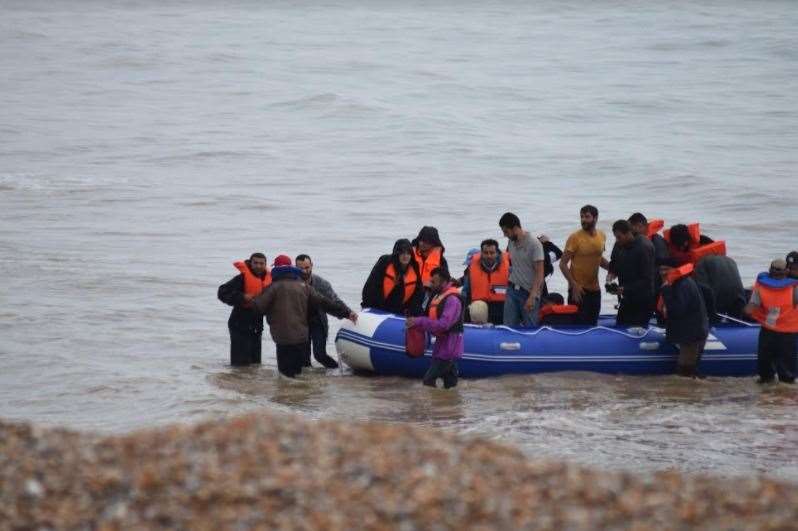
point(580, 262)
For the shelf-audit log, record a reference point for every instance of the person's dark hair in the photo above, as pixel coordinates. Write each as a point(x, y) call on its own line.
point(430, 235)
point(680, 235)
point(638, 218)
point(441, 272)
point(302, 257)
point(622, 226)
point(509, 221)
point(593, 211)
point(402, 245)
point(257, 255)
point(489, 242)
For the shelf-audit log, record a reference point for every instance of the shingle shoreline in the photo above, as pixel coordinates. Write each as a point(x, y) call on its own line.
point(271, 471)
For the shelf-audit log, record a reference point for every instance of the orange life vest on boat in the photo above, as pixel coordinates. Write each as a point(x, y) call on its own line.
point(436, 307)
point(428, 264)
point(488, 287)
point(776, 311)
point(675, 274)
point(558, 309)
point(714, 248)
point(654, 226)
point(389, 282)
point(252, 285)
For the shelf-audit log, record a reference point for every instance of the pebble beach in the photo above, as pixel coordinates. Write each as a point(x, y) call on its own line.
point(277, 471)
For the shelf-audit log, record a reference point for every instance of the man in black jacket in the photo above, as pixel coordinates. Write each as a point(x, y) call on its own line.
point(245, 323)
point(687, 322)
point(632, 262)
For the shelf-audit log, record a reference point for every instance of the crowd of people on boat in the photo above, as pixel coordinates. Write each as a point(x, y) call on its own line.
point(678, 276)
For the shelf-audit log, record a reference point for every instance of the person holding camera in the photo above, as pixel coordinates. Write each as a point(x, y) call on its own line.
point(632, 263)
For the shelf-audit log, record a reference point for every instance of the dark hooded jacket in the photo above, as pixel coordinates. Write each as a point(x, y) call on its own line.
point(687, 312)
point(241, 318)
point(430, 235)
point(373, 296)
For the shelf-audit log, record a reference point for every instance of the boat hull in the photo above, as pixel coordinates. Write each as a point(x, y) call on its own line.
point(376, 344)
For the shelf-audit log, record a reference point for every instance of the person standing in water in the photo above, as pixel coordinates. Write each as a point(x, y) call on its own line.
point(319, 326)
point(445, 322)
point(245, 323)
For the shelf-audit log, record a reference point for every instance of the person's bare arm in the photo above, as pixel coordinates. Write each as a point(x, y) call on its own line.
point(565, 267)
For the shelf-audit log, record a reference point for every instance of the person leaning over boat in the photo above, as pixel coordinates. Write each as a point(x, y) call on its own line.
point(245, 324)
point(773, 304)
point(445, 322)
point(721, 275)
point(522, 304)
point(632, 263)
point(287, 304)
point(792, 263)
point(580, 262)
point(428, 251)
point(317, 321)
point(687, 324)
point(486, 278)
point(394, 284)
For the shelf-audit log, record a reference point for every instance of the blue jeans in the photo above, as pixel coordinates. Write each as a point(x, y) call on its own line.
point(514, 313)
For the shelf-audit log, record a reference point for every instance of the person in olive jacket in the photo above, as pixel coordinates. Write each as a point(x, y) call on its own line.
point(287, 303)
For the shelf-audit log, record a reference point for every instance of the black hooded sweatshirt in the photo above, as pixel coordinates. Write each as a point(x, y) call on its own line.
point(372, 296)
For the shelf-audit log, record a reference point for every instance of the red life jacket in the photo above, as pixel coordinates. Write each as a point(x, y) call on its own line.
point(436, 307)
point(558, 309)
point(776, 311)
point(428, 264)
point(252, 285)
point(654, 226)
point(488, 287)
point(674, 275)
point(389, 282)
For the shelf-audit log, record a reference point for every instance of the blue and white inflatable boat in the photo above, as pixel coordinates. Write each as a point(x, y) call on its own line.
point(377, 344)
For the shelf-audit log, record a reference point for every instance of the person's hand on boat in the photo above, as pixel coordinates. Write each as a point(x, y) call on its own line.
point(352, 317)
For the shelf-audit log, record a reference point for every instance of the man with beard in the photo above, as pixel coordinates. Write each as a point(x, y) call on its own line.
point(317, 321)
point(580, 263)
point(522, 303)
point(486, 278)
point(394, 284)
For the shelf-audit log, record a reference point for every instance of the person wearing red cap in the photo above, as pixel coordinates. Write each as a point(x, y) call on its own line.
point(245, 324)
point(287, 304)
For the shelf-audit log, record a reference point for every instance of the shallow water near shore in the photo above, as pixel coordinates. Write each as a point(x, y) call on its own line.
point(145, 146)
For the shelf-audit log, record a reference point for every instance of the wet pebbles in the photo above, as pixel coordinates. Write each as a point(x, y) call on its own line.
point(269, 471)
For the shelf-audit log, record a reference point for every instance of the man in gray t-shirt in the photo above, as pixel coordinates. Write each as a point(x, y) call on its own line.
point(522, 303)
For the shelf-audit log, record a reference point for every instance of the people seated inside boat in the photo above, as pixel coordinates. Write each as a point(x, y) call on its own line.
point(721, 275)
point(632, 263)
point(686, 320)
point(792, 263)
point(774, 304)
point(682, 240)
point(486, 278)
point(428, 253)
point(522, 303)
point(584, 254)
point(394, 284)
point(554, 311)
point(551, 254)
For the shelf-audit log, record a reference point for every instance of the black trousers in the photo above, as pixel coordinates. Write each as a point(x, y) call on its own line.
point(634, 314)
point(290, 358)
point(245, 347)
point(589, 308)
point(445, 369)
point(776, 351)
point(318, 343)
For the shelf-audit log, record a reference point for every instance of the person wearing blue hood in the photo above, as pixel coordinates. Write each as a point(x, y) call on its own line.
point(287, 303)
point(394, 284)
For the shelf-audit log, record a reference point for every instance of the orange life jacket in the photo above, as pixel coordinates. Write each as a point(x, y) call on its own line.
point(389, 282)
point(252, 285)
point(675, 274)
point(488, 287)
point(714, 248)
point(436, 307)
point(426, 265)
point(654, 226)
point(558, 309)
point(776, 311)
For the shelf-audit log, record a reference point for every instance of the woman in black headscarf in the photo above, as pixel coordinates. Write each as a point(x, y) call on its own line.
point(394, 284)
